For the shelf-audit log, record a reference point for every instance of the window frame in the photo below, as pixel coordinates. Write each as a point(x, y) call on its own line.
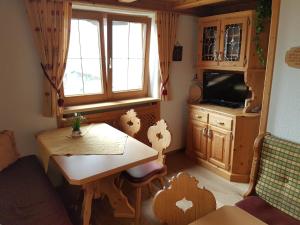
point(133, 93)
point(108, 94)
point(91, 98)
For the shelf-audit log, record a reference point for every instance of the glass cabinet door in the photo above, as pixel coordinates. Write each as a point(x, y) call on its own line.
point(233, 42)
point(209, 34)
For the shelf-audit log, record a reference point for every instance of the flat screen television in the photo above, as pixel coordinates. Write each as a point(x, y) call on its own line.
point(226, 89)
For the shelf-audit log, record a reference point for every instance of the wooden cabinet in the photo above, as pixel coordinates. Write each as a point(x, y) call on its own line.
point(218, 147)
point(226, 42)
point(221, 139)
point(209, 39)
point(198, 138)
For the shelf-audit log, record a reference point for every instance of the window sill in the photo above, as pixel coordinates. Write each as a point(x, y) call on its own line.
point(108, 105)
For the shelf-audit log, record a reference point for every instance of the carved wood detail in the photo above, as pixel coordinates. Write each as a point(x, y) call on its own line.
point(184, 188)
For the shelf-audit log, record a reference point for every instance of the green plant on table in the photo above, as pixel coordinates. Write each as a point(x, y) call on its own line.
point(76, 122)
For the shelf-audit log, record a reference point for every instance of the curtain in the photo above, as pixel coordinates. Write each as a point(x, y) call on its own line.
point(50, 21)
point(166, 33)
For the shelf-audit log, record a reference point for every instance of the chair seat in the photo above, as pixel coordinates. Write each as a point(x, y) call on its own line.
point(145, 172)
point(265, 212)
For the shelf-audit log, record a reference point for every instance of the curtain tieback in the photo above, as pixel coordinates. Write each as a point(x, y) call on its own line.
point(60, 100)
point(164, 90)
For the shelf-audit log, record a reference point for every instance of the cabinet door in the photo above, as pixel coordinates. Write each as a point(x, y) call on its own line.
point(218, 147)
point(198, 139)
point(209, 40)
point(233, 42)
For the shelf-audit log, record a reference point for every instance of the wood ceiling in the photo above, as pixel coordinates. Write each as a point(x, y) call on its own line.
point(195, 7)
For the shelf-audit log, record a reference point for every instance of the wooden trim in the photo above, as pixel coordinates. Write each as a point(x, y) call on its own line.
point(270, 65)
point(141, 4)
point(109, 105)
point(255, 164)
point(187, 4)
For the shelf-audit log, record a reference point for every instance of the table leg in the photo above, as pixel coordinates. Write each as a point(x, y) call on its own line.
point(87, 204)
point(117, 199)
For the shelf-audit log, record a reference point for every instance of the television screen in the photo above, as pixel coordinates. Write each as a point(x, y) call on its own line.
point(227, 89)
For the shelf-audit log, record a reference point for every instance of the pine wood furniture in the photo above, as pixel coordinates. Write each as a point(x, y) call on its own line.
point(96, 174)
point(273, 194)
point(110, 113)
point(228, 215)
point(183, 201)
point(130, 123)
point(140, 176)
point(226, 42)
point(221, 139)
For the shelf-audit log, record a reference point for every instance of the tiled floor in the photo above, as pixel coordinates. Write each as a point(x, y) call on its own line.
point(226, 193)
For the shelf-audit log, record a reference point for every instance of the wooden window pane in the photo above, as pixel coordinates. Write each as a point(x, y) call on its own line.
point(73, 84)
point(83, 75)
point(128, 55)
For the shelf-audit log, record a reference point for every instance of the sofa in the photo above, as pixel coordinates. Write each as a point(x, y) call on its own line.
point(27, 196)
point(274, 193)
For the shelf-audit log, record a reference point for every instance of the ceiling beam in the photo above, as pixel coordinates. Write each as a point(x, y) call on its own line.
point(140, 4)
point(187, 4)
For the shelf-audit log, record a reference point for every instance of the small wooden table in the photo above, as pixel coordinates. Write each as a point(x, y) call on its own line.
point(97, 173)
point(228, 215)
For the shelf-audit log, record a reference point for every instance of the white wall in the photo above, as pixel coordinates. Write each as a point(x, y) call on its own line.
point(175, 111)
point(284, 113)
point(20, 78)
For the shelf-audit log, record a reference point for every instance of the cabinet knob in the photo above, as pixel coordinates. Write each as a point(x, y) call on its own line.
point(198, 116)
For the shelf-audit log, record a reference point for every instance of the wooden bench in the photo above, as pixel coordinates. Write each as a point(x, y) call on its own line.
point(274, 192)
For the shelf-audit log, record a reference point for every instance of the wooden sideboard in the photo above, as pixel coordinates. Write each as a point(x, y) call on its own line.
point(221, 139)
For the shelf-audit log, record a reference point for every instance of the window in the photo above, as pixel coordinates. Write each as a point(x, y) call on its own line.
point(107, 58)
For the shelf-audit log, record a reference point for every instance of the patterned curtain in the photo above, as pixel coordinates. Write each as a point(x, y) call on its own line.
point(50, 21)
point(166, 31)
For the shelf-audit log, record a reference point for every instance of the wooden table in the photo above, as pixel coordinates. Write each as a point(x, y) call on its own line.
point(228, 215)
point(97, 173)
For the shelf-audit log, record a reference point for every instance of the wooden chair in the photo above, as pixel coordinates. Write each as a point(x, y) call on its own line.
point(143, 175)
point(183, 201)
point(130, 123)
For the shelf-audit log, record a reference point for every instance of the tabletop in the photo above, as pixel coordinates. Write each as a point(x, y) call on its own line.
point(228, 215)
point(82, 169)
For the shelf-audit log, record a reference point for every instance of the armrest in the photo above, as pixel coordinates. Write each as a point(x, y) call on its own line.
point(255, 164)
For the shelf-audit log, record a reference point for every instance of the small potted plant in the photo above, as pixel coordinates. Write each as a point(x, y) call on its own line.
point(76, 122)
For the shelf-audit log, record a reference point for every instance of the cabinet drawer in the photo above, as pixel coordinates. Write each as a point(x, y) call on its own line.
point(220, 121)
point(199, 116)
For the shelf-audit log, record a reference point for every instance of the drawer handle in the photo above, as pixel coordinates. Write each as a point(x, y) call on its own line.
point(221, 123)
point(204, 132)
point(198, 116)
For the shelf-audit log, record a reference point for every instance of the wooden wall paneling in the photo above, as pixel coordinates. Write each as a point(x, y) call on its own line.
point(141, 4)
point(187, 4)
point(149, 114)
point(270, 65)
